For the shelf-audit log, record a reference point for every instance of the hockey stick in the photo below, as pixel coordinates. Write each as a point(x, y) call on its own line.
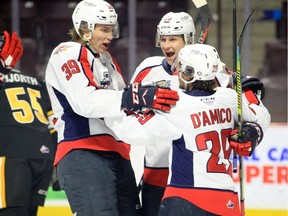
point(234, 67)
point(206, 18)
point(140, 184)
point(239, 100)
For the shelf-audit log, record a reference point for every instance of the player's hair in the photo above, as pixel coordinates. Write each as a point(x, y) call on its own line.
point(207, 85)
point(74, 35)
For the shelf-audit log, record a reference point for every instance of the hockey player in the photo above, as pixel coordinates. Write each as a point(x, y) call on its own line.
point(200, 175)
point(27, 146)
point(174, 31)
point(85, 84)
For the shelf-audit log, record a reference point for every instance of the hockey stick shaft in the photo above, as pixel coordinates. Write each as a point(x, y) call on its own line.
point(239, 98)
point(140, 184)
point(206, 18)
point(239, 110)
point(234, 66)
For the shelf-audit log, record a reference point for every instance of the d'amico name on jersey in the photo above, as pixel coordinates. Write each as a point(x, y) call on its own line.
point(214, 116)
point(17, 77)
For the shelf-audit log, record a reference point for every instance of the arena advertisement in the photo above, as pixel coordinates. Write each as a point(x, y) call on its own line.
point(266, 173)
point(265, 177)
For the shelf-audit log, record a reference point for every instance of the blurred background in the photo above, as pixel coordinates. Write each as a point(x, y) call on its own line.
point(44, 24)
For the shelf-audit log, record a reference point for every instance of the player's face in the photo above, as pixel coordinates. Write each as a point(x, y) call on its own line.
point(102, 37)
point(171, 46)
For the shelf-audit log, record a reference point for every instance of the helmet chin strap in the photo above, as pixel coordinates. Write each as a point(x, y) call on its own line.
point(87, 42)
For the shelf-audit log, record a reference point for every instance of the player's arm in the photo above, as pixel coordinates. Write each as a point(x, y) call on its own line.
point(11, 50)
point(254, 92)
point(252, 132)
point(74, 80)
point(140, 128)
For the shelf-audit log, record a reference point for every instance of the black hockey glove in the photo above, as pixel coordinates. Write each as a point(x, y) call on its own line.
point(251, 136)
point(136, 96)
point(11, 50)
point(253, 84)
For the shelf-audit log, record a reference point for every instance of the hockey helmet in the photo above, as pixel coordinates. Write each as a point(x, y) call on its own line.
point(88, 13)
point(179, 23)
point(197, 61)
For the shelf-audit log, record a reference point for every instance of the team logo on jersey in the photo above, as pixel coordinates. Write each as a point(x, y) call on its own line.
point(61, 48)
point(230, 204)
point(44, 150)
point(164, 83)
point(106, 82)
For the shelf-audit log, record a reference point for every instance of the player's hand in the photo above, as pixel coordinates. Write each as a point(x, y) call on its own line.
point(252, 83)
point(11, 50)
point(137, 96)
point(251, 136)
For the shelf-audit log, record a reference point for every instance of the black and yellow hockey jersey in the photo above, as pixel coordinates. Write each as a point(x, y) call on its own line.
point(24, 110)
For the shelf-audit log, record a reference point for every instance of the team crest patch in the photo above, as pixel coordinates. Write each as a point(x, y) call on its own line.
point(44, 150)
point(164, 83)
point(106, 82)
point(230, 204)
point(61, 48)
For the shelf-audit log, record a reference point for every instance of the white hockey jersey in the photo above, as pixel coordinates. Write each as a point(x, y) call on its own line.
point(81, 87)
point(155, 69)
point(200, 170)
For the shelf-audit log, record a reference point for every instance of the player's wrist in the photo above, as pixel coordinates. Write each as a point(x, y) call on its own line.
point(3, 68)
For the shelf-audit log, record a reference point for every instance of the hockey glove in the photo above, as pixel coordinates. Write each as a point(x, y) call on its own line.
point(11, 50)
point(253, 84)
point(251, 136)
point(136, 96)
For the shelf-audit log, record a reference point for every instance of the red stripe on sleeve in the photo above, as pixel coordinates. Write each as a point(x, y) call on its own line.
point(86, 66)
point(142, 75)
point(157, 177)
point(251, 97)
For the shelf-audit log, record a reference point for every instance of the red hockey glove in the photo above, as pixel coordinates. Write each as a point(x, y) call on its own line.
point(11, 50)
point(251, 136)
point(137, 96)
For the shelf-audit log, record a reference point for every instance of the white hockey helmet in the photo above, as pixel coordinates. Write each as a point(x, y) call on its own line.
point(88, 13)
point(197, 61)
point(179, 23)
